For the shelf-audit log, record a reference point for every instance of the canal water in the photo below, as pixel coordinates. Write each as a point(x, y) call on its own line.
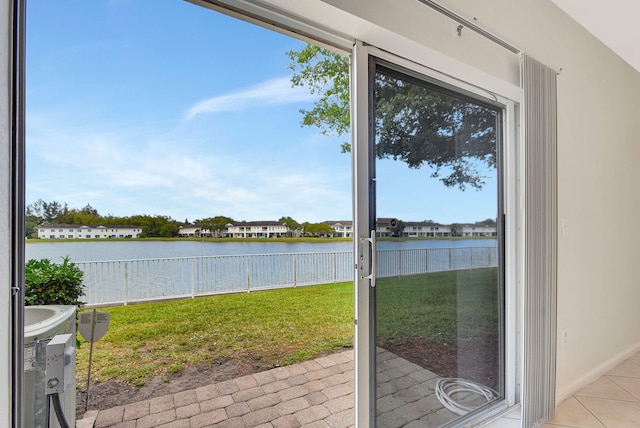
point(84, 251)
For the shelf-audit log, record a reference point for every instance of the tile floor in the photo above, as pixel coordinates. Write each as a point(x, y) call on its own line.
point(613, 401)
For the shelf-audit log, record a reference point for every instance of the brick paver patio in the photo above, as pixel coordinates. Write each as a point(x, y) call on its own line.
point(317, 393)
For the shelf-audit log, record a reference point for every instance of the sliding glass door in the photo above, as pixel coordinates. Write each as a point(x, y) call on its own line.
point(431, 262)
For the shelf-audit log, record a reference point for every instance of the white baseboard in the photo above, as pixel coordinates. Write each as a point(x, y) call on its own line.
point(595, 374)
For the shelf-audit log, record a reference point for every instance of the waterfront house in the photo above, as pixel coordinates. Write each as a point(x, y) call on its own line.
point(386, 226)
point(418, 229)
point(343, 228)
point(77, 231)
point(256, 229)
point(193, 231)
point(479, 229)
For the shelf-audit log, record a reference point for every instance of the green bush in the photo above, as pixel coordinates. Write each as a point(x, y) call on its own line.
point(48, 283)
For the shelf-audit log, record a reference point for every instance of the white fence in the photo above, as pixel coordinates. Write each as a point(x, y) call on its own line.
point(413, 262)
point(127, 281)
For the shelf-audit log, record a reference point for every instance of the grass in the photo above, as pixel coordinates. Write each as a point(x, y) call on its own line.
point(442, 306)
point(284, 326)
point(276, 327)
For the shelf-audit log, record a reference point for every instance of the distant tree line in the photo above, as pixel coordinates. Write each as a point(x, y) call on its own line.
point(42, 213)
point(216, 225)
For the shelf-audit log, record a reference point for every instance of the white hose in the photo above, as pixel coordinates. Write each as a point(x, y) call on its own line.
point(447, 388)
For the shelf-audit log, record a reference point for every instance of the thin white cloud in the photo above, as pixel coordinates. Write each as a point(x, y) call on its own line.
point(121, 171)
point(268, 191)
point(119, 177)
point(274, 91)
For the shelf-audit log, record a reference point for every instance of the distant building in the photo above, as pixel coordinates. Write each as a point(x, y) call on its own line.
point(76, 231)
point(256, 229)
point(420, 229)
point(343, 228)
point(386, 226)
point(193, 231)
point(481, 228)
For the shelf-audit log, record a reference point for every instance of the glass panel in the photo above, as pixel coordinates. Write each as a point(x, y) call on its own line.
point(438, 292)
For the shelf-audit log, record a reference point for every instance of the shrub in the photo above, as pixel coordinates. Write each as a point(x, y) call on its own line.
point(48, 283)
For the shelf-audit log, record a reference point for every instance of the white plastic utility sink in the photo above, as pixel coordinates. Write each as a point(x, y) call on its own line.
point(46, 321)
point(41, 324)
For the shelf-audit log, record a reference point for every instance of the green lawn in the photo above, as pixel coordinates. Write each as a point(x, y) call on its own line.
point(275, 326)
point(442, 306)
point(283, 326)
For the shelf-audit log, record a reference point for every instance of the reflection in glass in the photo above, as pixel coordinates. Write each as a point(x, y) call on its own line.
point(438, 310)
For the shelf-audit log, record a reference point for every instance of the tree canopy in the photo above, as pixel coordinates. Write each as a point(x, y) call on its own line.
point(327, 74)
point(415, 123)
point(293, 226)
point(215, 224)
point(318, 229)
point(41, 213)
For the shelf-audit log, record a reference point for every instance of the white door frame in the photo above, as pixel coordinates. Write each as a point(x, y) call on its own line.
point(360, 137)
point(364, 223)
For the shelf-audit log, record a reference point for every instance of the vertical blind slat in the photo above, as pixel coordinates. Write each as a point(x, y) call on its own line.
point(540, 141)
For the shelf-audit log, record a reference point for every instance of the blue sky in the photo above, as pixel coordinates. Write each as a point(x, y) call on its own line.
point(163, 107)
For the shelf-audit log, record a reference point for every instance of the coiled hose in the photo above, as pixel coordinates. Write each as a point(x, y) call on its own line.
point(448, 388)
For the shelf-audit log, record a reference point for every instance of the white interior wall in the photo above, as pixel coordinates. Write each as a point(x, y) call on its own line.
point(5, 220)
point(427, 27)
point(598, 147)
